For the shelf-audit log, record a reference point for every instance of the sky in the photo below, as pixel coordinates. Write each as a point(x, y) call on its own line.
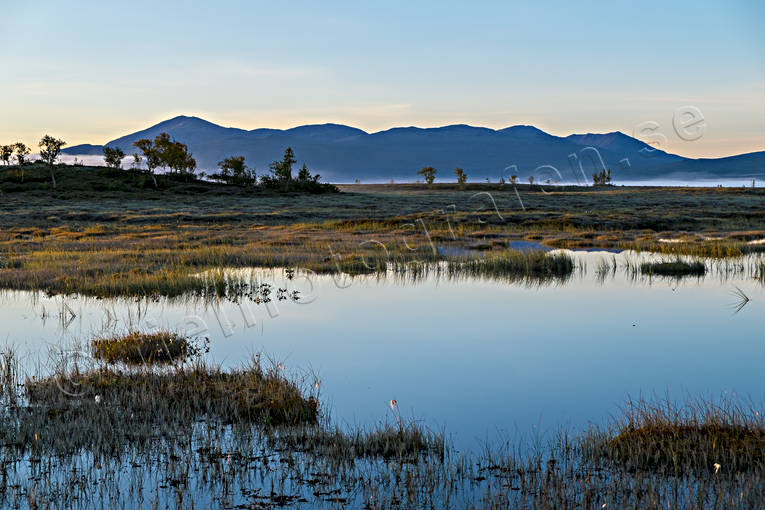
point(91, 71)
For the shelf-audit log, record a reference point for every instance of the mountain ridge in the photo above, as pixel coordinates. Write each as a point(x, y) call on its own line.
point(343, 153)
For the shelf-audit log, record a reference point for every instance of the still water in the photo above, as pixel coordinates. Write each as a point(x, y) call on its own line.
point(481, 359)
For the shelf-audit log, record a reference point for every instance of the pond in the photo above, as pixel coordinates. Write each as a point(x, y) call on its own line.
point(481, 359)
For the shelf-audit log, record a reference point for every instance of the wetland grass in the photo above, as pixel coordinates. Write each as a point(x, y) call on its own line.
point(677, 268)
point(164, 441)
point(137, 348)
point(697, 438)
point(248, 394)
point(514, 264)
point(404, 442)
point(121, 241)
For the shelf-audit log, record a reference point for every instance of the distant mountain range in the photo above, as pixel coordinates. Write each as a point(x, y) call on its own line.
point(343, 153)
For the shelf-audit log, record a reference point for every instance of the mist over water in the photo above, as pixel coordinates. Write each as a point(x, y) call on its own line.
point(127, 162)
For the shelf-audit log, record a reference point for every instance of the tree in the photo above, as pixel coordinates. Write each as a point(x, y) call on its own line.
point(162, 148)
point(282, 170)
point(150, 154)
point(233, 170)
point(174, 155)
point(50, 149)
point(136, 161)
point(461, 177)
point(232, 166)
point(166, 153)
point(602, 179)
point(304, 175)
point(177, 157)
point(531, 180)
point(113, 157)
point(6, 151)
point(22, 151)
point(429, 173)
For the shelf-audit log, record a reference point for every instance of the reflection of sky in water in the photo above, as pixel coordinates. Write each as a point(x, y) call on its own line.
point(477, 358)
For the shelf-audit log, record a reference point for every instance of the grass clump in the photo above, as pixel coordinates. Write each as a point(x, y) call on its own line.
point(515, 264)
point(145, 348)
point(677, 268)
point(699, 437)
point(401, 442)
point(151, 438)
point(252, 394)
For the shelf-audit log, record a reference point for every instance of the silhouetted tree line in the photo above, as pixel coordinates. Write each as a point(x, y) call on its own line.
point(175, 157)
point(164, 153)
point(50, 150)
point(233, 170)
point(602, 179)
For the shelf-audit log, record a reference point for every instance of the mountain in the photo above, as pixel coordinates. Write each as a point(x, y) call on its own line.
point(342, 153)
point(84, 149)
point(617, 141)
point(191, 130)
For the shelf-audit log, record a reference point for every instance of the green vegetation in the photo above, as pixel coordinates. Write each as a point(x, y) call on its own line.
point(22, 151)
point(429, 173)
point(281, 177)
point(113, 157)
point(6, 151)
point(461, 177)
point(602, 179)
point(50, 150)
point(233, 170)
point(167, 153)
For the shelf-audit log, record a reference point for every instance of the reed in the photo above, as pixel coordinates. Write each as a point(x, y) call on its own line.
point(510, 263)
point(250, 394)
point(178, 443)
point(699, 437)
point(137, 348)
point(676, 268)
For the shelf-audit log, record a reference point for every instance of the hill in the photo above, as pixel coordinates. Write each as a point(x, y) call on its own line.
point(342, 153)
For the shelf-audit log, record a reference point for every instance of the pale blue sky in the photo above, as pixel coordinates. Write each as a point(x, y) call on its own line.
point(91, 71)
